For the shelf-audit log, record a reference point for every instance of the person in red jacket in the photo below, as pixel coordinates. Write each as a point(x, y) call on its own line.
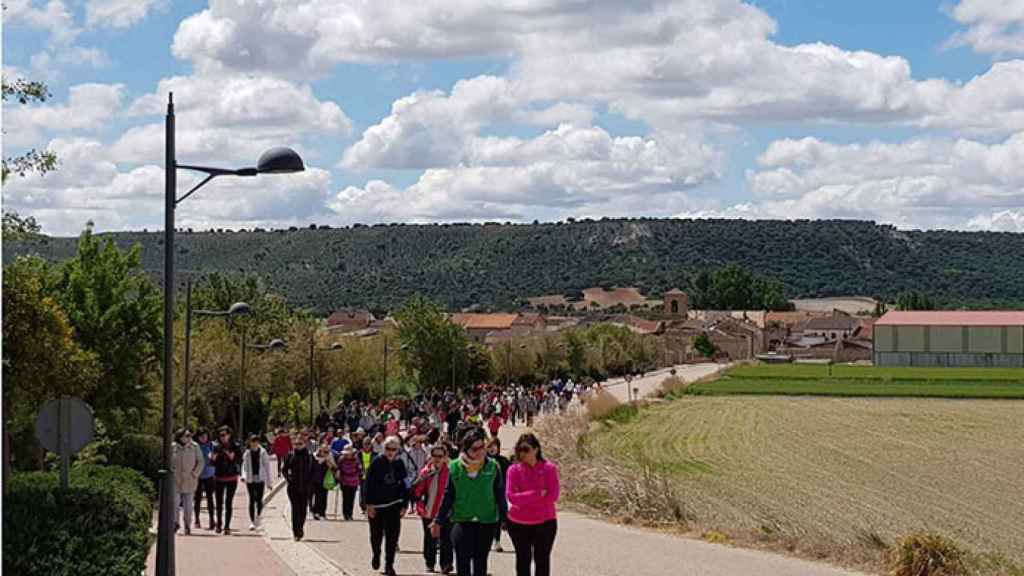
point(428, 491)
point(281, 447)
point(532, 488)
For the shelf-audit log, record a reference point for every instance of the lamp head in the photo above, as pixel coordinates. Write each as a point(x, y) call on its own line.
point(280, 160)
point(336, 346)
point(239, 308)
point(276, 344)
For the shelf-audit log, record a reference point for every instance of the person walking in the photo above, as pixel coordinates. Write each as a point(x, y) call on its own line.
point(281, 447)
point(187, 464)
point(298, 472)
point(494, 451)
point(323, 468)
point(533, 489)
point(350, 476)
point(428, 491)
point(365, 457)
point(255, 474)
point(207, 484)
point(474, 504)
point(226, 458)
point(386, 495)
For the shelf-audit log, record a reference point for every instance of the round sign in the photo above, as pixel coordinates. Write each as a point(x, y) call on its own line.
point(69, 417)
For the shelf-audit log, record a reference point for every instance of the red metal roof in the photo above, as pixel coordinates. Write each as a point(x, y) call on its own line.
point(953, 318)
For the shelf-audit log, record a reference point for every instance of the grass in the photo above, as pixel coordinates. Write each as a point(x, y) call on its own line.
point(817, 475)
point(813, 380)
point(858, 372)
point(851, 387)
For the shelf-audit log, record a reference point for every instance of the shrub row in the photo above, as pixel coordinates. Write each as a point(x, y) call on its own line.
point(99, 526)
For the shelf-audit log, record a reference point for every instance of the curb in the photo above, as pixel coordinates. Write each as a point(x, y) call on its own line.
point(273, 491)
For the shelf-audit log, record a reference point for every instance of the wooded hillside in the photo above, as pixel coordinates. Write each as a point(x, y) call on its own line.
point(496, 266)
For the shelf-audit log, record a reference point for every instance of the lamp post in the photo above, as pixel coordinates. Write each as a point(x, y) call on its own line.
point(274, 161)
point(402, 347)
point(508, 363)
point(275, 344)
point(236, 309)
point(336, 347)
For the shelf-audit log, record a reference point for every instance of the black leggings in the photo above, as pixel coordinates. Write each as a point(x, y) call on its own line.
point(472, 542)
point(208, 485)
point(533, 544)
point(348, 500)
point(320, 501)
point(225, 498)
point(255, 500)
point(430, 546)
point(386, 525)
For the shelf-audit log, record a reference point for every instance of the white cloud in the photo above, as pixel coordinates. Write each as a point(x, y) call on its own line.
point(923, 183)
point(53, 17)
point(1001, 221)
point(89, 107)
point(567, 171)
point(993, 26)
point(120, 13)
point(87, 187)
point(430, 129)
point(229, 118)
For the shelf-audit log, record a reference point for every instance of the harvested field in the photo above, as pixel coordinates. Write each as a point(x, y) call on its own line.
point(835, 476)
point(850, 387)
point(872, 372)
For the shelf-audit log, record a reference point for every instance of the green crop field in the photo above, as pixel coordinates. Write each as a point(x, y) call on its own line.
point(836, 475)
point(872, 372)
point(813, 380)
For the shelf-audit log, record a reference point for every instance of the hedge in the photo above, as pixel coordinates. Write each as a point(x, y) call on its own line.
point(141, 452)
point(99, 526)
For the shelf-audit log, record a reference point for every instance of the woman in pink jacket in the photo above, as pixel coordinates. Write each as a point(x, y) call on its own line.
point(532, 488)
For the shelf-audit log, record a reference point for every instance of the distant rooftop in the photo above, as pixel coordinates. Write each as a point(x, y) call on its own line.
point(953, 318)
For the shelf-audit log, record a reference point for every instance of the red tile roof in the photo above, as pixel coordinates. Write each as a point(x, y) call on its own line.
point(484, 321)
point(953, 318)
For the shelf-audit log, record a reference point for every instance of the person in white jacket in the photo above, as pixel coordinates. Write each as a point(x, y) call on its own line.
point(255, 474)
point(187, 464)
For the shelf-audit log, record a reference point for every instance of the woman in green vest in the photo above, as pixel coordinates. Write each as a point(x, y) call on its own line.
point(474, 504)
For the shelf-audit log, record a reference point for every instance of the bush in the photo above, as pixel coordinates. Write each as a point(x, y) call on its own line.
point(601, 404)
point(926, 555)
point(141, 452)
point(98, 526)
point(672, 384)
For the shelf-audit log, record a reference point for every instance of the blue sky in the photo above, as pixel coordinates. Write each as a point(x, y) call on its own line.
point(899, 112)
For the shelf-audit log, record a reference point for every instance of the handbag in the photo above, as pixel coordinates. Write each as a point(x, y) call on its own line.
point(329, 482)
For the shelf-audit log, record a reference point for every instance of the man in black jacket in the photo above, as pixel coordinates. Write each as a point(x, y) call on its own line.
point(298, 471)
point(386, 501)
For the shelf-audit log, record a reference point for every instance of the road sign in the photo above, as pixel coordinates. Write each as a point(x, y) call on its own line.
point(65, 426)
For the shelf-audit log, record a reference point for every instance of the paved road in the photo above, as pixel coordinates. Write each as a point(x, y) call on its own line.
point(584, 546)
point(650, 383)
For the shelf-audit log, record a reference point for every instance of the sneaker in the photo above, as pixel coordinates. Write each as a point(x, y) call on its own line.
point(446, 569)
point(259, 523)
point(188, 531)
point(252, 526)
point(498, 548)
point(227, 531)
point(389, 571)
point(375, 563)
point(197, 524)
point(217, 529)
point(430, 569)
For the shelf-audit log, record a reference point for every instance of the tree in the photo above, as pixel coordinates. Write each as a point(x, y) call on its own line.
point(41, 359)
point(914, 300)
point(24, 91)
point(433, 346)
point(116, 312)
point(703, 344)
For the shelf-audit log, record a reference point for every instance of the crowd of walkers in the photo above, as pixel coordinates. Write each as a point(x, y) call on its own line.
point(437, 457)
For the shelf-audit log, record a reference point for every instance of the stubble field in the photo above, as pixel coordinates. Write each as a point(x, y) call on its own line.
point(842, 475)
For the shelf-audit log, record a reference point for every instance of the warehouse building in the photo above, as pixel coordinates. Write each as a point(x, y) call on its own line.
point(950, 338)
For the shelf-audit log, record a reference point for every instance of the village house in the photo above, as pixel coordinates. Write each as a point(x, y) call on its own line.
point(347, 320)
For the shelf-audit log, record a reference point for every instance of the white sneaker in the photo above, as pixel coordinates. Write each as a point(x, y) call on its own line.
point(252, 526)
point(259, 523)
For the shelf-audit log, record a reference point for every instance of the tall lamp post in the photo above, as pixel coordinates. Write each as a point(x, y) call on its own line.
point(236, 309)
point(508, 363)
point(275, 344)
point(402, 347)
point(336, 347)
point(274, 161)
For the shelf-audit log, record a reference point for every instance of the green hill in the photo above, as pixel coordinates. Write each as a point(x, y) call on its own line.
point(495, 265)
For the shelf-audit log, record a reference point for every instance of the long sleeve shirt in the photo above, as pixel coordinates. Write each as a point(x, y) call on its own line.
point(447, 511)
point(532, 492)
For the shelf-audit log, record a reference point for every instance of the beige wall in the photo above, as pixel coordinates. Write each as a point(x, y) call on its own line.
point(911, 338)
point(946, 339)
point(1015, 340)
point(985, 339)
point(883, 339)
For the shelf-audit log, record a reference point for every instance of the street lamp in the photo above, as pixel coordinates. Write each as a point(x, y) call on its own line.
point(274, 161)
point(402, 347)
point(236, 309)
point(275, 344)
point(508, 363)
point(336, 347)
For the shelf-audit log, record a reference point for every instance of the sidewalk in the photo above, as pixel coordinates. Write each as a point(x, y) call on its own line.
point(205, 552)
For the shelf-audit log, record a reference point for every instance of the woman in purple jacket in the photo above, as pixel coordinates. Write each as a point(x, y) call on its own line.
point(532, 488)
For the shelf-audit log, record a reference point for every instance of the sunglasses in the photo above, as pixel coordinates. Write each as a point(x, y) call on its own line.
point(524, 448)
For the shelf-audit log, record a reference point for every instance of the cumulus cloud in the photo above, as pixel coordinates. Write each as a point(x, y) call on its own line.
point(229, 118)
point(120, 13)
point(921, 183)
point(993, 26)
point(89, 107)
point(566, 171)
point(89, 188)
